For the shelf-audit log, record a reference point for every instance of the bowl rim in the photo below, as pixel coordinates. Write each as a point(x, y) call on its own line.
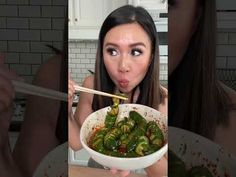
point(163, 148)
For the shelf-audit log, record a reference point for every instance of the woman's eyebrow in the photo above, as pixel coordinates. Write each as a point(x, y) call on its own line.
point(130, 45)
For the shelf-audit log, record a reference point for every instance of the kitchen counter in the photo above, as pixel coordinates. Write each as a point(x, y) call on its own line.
point(79, 171)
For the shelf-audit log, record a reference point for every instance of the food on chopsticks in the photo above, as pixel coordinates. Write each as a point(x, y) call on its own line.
point(133, 136)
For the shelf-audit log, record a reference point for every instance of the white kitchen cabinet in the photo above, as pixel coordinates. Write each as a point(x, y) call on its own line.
point(86, 16)
point(160, 6)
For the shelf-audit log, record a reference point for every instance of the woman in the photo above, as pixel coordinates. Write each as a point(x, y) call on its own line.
point(127, 61)
point(198, 101)
point(41, 131)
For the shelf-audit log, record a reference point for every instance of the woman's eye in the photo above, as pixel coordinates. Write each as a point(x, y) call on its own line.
point(112, 52)
point(136, 52)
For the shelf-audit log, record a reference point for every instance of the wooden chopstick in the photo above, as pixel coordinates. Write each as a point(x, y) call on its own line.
point(87, 90)
point(25, 88)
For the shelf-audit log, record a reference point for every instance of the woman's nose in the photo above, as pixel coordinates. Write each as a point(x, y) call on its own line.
point(124, 64)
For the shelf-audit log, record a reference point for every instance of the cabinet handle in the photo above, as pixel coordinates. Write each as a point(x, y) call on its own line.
point(76, 19)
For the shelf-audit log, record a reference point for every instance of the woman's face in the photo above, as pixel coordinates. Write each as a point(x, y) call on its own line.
point(127, 54)
point(182, 22)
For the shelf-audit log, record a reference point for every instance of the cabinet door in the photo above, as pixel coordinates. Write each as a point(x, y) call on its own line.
point(86, 16)
point(158, 5)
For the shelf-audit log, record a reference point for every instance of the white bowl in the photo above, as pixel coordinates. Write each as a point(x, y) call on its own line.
point(97, 119)
point(196, 150)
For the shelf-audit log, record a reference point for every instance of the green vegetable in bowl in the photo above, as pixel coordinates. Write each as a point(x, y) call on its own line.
point(199, 171)
point(176, 167)
point(133, 136)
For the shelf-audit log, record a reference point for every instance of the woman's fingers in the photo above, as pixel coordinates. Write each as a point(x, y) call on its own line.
point(71, 91)
point(123, 173)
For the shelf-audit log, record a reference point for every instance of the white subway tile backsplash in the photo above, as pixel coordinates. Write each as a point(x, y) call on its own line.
point(72, 65)
point(92, 56)
point(53, 11)
point(85, 61)
point(46, 56)
point(29, 35)
point(90, 66)
point(40, 47)
point(12, 58)
point(221, 62)
point(3, 46)
point(231, 63)
point(59, 2)
point(18, 46)
point(80, 55)
point(18, 2)
point(232, 38)
point(35, 69)
point(3, 23)
point(226, 50)
point(40, 23)
point(79, 65)
point(51, 35)
point(76, 61)
point(28, 79)
point(8, 11)
point(30, 58)
point(21, 24)
point(8, 34)
point(71, 55)
point(222, 38)
point(2, 1)
point(29, 11)
point(18, 23)
point(79, 45)
point(94, 51)
point(91, 45)
point(21, 69)
point(85, 50)
point(58, 23)
point(40, 2)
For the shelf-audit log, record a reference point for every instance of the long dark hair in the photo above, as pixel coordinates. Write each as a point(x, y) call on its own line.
point(150, 91)
point(196, 98)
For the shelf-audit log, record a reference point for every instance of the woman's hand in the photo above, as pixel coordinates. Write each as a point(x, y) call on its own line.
point(71, 91)
point(7, 95)
point(158, 169)
point(121, 172)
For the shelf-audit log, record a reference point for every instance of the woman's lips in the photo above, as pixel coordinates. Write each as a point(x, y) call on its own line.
point(123, 83)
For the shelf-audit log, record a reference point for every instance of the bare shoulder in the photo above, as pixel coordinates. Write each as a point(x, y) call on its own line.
point(88, 82)
point(165, 91)
point(49, 73)
point(163, 107)
point(230, 92)
point(84, 107)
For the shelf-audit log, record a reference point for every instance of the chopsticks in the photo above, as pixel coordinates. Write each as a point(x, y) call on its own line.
point(87, 90)
point(25, 88)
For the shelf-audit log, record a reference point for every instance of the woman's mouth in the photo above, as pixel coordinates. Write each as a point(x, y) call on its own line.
point(123, 83)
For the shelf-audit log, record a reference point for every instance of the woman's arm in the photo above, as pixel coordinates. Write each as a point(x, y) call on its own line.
point(38, 131)
point(84, 108)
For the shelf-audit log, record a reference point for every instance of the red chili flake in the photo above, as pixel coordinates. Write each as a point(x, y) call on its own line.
point(122, 149)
